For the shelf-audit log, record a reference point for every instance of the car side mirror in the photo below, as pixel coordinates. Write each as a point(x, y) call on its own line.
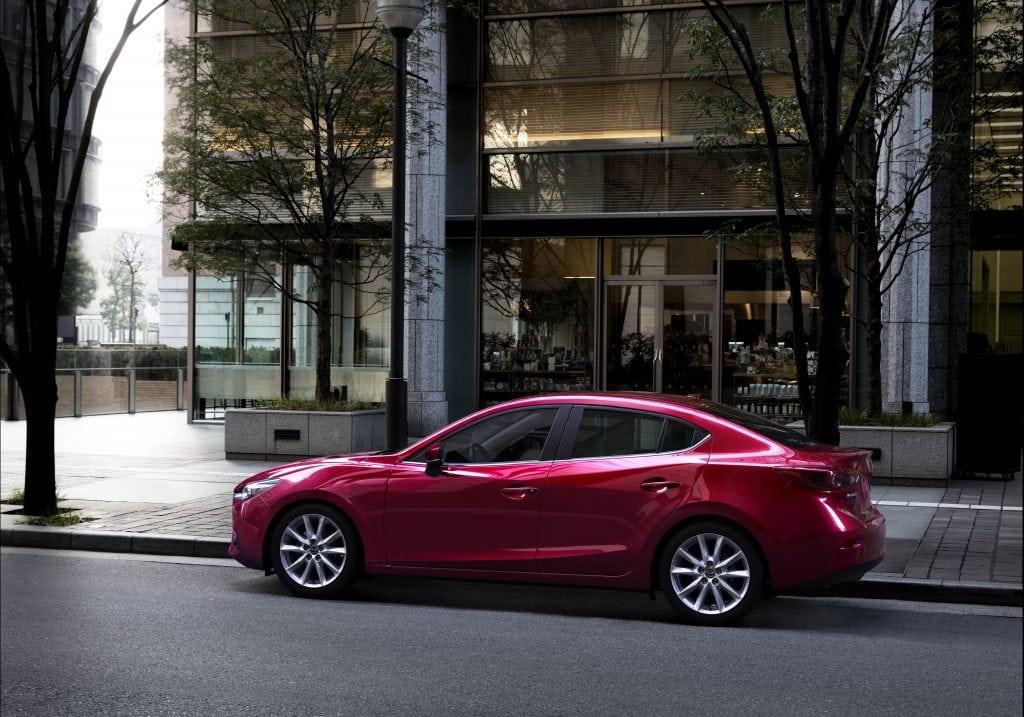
point(435, 464)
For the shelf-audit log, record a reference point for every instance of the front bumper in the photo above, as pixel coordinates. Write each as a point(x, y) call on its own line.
point(247, 522)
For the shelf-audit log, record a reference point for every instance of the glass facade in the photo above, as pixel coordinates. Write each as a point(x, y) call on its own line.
point(359, 329)
point(997, 230)
point(237, 342)
point(537, 316)
point(997, 301)
point(586, 115)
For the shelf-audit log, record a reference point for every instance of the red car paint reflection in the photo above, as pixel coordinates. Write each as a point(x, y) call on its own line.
point(634, 491)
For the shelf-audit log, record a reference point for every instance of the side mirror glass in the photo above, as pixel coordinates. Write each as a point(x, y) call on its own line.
point(435, 465)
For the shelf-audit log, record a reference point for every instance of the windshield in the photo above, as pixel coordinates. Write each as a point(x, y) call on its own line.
point(773, 431)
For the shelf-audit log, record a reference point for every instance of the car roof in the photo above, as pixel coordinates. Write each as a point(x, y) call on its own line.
point(631, 399)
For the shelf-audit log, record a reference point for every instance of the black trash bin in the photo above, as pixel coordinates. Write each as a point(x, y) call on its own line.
point(990, 414)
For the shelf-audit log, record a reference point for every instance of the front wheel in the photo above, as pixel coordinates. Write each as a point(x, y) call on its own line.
point(711, 574)
point(315, 551)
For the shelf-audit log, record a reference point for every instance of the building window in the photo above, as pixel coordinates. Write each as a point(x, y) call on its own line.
point(997, 301)
point(360, 328)
point(537, 316)
point(237, 342)
point(660, 256)
point(759, 368)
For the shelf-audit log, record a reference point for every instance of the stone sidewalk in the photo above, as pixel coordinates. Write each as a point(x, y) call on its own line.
point(154, 474)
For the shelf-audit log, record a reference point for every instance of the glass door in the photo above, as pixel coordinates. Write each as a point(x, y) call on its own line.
point(631, 329)
point(659, 336)
point(687, 323)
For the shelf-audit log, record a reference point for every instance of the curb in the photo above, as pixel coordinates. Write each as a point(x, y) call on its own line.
point(879, 586)
point(30, 536)
point(888, 586)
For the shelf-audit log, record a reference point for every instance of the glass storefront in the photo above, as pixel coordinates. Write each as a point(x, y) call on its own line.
point(237, 326)
point(237, 344)
point(537, 316)
point(758, 363)
point(359, 329)
point(667, 319)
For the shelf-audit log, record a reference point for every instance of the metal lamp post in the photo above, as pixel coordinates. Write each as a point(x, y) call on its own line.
point(401, 17)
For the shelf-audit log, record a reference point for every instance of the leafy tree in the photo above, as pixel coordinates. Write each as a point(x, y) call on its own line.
point(39, 87)
point(834, 54)
point(79, 287)
point(279, 149)
point(892, 181)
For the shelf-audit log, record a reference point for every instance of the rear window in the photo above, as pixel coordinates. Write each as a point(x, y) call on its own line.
point(772, 431)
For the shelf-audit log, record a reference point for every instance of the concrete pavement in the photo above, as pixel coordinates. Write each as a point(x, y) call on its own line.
point(155, 475)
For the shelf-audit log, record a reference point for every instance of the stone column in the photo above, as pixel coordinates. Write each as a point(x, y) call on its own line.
point(425, 236)
point(906, 307)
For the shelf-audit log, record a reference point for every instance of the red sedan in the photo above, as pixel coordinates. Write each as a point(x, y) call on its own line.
point(713, 506)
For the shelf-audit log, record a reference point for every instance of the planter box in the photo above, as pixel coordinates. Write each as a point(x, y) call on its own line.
point(906, 456)
point(266, 434)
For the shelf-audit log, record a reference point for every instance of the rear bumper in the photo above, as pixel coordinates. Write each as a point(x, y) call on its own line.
point(841, 554)
point(847, 575)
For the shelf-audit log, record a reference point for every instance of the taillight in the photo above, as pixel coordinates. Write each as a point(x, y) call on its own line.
point(821, 479)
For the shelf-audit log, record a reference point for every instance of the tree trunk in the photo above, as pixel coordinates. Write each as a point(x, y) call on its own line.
point(131, 312)
point(874, 337)
point(323, 333)
point(796, 304)
point(39, 389)
point(832, 287)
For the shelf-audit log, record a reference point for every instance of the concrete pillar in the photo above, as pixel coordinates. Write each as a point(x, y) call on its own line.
point(906, 308)
point(425, 235)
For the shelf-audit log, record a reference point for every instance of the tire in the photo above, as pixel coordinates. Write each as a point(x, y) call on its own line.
point(709, 595)
point(322, 569)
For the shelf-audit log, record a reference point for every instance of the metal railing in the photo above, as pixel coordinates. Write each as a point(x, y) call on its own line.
point(96, 391)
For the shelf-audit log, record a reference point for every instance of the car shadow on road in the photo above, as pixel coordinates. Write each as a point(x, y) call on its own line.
point(784, 612)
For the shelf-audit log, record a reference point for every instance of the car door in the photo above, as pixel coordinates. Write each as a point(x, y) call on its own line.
point(616, 476)
point(482, 512)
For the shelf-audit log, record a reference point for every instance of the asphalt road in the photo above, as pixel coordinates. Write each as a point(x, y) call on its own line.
point(90, 634)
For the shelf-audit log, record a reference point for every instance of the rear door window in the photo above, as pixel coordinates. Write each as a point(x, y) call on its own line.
point(616, 433)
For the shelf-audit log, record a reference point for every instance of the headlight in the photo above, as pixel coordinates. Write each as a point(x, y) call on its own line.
point(255, 488)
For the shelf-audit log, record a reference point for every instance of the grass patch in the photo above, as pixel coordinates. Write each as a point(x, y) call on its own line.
point(889, 420)
point(17, 497)
point(300, 404)
point(60, 520)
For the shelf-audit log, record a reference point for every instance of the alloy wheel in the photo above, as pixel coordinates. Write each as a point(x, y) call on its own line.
point(313, 550)
point(710, 573)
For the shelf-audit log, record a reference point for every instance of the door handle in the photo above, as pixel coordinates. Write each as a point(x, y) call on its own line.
point(658, 485)
point(518, 492)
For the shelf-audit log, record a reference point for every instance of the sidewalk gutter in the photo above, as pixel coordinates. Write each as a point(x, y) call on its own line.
point(892, 586)
point(887, 586)
point(32, 536)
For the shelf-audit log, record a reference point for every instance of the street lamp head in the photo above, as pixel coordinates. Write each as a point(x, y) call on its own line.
point(401, 17)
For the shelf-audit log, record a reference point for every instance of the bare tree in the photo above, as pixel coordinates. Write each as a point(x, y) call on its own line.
point(38, 88)
point(126, 260)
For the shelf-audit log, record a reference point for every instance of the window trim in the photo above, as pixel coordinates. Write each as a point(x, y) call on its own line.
point(565, 446)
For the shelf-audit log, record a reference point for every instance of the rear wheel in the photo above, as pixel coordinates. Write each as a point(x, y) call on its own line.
point(711, 573)
point(315, 552)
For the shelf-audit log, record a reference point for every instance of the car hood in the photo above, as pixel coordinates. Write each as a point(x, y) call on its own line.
point(309, 467)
